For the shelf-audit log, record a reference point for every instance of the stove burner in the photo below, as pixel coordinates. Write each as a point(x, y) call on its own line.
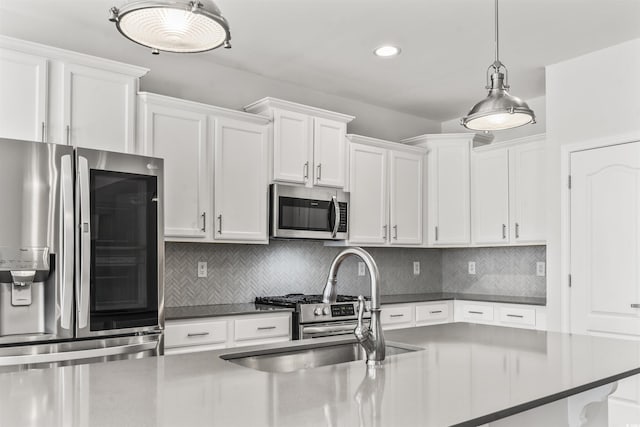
point(291, 300)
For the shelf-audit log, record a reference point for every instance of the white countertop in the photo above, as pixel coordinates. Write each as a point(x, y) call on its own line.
point(467, 374)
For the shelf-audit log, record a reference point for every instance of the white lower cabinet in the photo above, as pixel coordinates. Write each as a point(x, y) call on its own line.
point(474, 312)
point(501, 314)
point(434, 312)
point(407, 315)
point(397, 316)
point(214, 333)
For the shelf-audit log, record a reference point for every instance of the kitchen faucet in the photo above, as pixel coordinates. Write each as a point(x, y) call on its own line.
point(370, 338)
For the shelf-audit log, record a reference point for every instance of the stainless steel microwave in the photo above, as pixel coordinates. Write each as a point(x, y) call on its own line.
point(308, 213)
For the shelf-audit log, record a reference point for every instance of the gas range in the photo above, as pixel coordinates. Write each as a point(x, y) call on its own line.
point(313, 318)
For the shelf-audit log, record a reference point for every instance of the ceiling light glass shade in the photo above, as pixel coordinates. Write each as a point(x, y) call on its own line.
point(499, 110)
point(386, 51)
point(173, 26)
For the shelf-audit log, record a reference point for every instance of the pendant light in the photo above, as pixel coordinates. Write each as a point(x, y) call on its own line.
point(173, 26)
point(498, 110)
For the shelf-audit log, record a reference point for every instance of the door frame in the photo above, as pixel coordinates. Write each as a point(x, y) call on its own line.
point(565, 213)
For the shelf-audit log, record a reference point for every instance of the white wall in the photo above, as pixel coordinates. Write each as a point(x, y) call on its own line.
point(590, 97)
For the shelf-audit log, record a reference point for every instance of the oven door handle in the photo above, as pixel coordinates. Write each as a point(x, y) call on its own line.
point(328, 329)
point(336, 223)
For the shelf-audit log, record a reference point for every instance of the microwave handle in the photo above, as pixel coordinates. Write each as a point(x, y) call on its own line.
point(336, 223)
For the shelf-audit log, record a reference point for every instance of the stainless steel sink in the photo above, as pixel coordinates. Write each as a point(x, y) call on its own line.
point(308, 356)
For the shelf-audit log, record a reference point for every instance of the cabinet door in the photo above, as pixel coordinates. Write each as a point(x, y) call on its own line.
point(292, 142)
point(99, 109)
point(240, 181)
point(329, 152)
point(449, 198)
point(23, 88)
point(180, 138)
point(405, 192)
point(527, 193)
point(368, 201)
point(490, 196)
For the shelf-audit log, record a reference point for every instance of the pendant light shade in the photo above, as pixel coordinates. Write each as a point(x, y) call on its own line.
point(173, 26)
point(499, 110)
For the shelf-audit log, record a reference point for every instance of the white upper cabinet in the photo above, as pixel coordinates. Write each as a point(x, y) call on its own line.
point(386, 192)
point(448, 203)
point(240, 181)
point(23, 96)
point(508, 192)
point(309, 144)
point(177, 132)
point(490, 196)
point(64, 97)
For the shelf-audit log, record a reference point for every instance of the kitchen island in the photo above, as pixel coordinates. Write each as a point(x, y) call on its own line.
point(467, 375)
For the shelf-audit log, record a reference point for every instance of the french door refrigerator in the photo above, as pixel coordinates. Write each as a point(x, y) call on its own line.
point(81, 255)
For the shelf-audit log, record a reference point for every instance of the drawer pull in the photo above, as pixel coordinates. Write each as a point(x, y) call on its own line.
point(264, 328)
point(475, 312)
point(396, 315)
point(435, 311)
point(197, 334)
point(635, 305)
point(519, 316)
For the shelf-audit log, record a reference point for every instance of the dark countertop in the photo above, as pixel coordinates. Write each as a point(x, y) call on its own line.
point(216, 310)
point(439, 296)
point(467, 375)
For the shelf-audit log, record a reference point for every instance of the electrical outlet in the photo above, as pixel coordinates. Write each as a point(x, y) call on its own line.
point(472, 267)
point(541, 268)
point(360, 268)
point(416, 268)
point(202, 269)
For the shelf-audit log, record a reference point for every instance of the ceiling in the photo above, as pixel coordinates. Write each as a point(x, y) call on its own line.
point(327, 45)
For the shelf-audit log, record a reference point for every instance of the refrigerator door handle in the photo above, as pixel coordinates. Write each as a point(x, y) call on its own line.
point(84, 248)
point(66, 303)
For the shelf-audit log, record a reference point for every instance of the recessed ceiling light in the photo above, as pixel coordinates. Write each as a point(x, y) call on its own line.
point(386, 51)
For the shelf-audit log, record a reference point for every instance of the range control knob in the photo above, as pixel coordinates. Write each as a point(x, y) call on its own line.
point(325, 311)
point(318, 311)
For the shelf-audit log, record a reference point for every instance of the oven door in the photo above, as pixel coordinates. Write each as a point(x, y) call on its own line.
point(318, 330)
point(119, 246)
point(299, 212)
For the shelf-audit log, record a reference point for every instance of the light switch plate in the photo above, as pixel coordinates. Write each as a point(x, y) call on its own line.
point(472, 267)
point(202, 269)
point(360, 268)
point(416, 268)
point(541, 269)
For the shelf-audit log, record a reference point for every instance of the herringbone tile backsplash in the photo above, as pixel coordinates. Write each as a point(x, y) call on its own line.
point(239, 273)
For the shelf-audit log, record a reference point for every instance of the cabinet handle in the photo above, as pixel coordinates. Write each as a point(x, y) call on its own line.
point(197, 334)
point(319, 175)
point(44, 130)
point(384, 227)
point(265, 328)
point(436, 228)
point(396, 315)
point(475, 312)
point(204, 221)
point(517, 230)
point(68, 135)
point(220, 224)
point(435, 311)
point(519, 316)
point(635, 305)
point(305, 170)
point(504, 231)
point(395, 232)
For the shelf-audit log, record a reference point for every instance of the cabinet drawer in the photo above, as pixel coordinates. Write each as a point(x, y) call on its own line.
point(518, 316)
point(257, 328)
point(475, 312)
point(394, 315)
point(192, 332)
point(432, 312)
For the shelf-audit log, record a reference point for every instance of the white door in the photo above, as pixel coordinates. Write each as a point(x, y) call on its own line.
point(180, 138)
point(449, 200)
point(240, 181)
point(490, 196)
point(368, 202)
point(329, 152)
point(605, 240)
point(23, 91)
point(405, 192)
point(99, 109)
point(527, 193)
point(292, 145)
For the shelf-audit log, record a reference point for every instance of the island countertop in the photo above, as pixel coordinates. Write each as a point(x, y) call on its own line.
point(467, 374)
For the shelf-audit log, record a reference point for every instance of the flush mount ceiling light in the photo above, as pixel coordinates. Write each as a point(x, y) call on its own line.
point(386, 51)
point(173, 26)
point(498, 110)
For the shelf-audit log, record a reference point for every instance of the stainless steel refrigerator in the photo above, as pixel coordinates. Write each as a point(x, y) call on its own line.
point(81, 255)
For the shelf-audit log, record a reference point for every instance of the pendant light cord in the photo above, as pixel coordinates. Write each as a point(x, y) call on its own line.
point(497, 63)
